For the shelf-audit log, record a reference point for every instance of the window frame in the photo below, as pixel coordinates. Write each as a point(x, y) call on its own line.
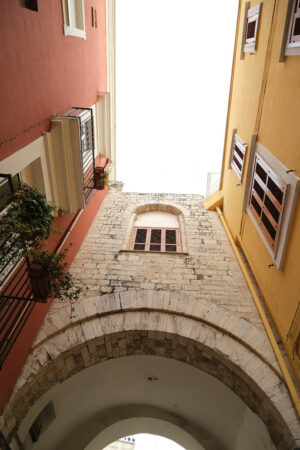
point(253, 15)
point(288, 208)
point(267, 194)
point(242, 146)
point(162, 243)
point(293, 47)
point(69, 28)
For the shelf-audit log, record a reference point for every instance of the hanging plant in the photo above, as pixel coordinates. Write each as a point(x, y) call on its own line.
point(26, 219)
point(49, 276)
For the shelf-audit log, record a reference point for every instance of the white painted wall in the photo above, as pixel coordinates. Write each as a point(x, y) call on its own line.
point(184, 404)
point(156, 219)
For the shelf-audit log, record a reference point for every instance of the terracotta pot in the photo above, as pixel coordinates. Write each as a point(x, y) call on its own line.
point(98, 182)
point(39, 280)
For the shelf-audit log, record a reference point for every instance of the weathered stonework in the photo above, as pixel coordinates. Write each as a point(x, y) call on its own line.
point(209, 271)
point(194, 307)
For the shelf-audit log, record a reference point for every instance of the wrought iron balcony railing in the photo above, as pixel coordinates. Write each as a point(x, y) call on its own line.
point(16, 297)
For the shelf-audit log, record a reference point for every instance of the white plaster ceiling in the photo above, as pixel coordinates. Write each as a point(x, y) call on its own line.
point(90, 404)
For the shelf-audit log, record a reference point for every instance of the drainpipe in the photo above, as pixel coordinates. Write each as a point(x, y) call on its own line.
point(286, 374)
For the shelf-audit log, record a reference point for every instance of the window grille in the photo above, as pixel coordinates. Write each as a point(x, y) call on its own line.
point(85, 117)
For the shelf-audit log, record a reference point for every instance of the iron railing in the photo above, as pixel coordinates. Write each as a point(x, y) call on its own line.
point(86, 121)
point(16, 297)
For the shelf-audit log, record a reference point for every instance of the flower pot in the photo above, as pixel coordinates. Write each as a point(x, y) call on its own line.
point(39, 280)
point(99, 184)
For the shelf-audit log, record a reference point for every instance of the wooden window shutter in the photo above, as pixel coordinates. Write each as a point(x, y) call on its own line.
point(156, 239)
point(238, 156)
point(266, 200)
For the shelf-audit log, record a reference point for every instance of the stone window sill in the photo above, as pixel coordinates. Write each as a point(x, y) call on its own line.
point(157, 253)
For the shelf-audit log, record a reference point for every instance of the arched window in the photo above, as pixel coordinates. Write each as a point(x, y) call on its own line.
point(156, 231)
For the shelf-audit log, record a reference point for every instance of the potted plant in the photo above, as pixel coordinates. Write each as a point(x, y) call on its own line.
point(49, 276)
point(101, 178)
point(26, 219)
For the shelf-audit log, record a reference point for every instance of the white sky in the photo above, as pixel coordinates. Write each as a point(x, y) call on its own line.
point(173, 76)
point(153, 442)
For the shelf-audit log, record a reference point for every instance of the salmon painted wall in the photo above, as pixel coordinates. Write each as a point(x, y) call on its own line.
point(44, 72)
point(266, 101)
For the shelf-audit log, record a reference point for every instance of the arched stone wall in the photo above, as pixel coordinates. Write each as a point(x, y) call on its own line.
point(164, 324)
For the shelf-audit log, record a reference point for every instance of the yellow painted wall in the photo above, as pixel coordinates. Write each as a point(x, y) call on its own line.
point(266, 101)
point(246, 90)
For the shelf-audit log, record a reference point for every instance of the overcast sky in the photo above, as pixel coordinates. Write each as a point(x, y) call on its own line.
point(173, 76)
point(152, 442)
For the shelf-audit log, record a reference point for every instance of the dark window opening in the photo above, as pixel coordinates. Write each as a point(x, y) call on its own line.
point(273, 211)
point(276, 191)
point(261, 173)
point(297, 27)
point(251, 29)
point(237, 163)
point(170, 236)
point(42, 422)
point(29, 4)
point(258, 189)
point(139, 246)
point(256, 205)
point(239, 152)
point(270, 229)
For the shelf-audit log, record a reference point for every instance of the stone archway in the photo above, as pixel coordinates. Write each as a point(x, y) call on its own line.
point(148, 425)
point(162, 324)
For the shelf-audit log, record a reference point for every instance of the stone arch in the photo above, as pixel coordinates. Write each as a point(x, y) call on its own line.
point(150, 421)
point(164, 324)
point(181, 213)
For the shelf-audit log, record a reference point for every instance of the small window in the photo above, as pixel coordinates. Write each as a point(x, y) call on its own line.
point(251, 26)
point(238, 155)
point(73, 14)
point(156, 239)
point(29, 4)
point(41, 423)
point(266, 200)
point(293, 40)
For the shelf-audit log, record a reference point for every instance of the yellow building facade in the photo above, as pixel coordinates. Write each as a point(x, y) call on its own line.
point(261, 162)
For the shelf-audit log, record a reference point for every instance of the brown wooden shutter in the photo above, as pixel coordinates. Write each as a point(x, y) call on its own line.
point(238, 157)
point(156, 239)
point(266, 200)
